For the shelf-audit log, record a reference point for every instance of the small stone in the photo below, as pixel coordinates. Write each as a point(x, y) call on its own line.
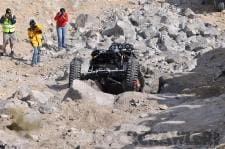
point(17, 63)
point(163, 107)
point(115, 111)
point(47, 109)
point(5, 116)
point(26, 75)
point(31, 103)
point(143, 115)
point(35, 138)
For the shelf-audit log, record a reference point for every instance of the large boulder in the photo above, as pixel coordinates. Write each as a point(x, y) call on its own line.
point(193, 27)
point(209, 31)
point(197, 43)
point(128, 100)
point(121, 28)
point(172, 31)
point(23, 92)
point(189, 13)
point(166, 43)
point(181, 38)
point(151, 85)
point(149, 32)
point(82, 91)
point(92, 39)
point(39, 97)
point(86, 21)
point(136, 18)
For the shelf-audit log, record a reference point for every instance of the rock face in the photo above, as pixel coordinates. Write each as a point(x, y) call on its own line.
point(83, 91)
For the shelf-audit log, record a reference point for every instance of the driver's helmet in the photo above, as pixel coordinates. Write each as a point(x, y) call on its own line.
point(128, 46)
point(114, 47)
point(120, 46)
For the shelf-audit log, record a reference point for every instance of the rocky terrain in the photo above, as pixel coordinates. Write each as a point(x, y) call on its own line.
point(180, 46)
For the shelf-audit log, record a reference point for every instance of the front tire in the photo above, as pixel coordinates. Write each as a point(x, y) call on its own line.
point(132, 82)
point(75, 71)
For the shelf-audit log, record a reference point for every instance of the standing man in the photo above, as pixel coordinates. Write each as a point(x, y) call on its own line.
point(8, 22)
point(61, 19)
point(36, 37)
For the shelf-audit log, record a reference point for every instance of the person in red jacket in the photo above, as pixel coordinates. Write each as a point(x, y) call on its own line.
point(61, 19)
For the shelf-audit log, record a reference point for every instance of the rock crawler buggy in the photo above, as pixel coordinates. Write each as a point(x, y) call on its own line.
point(115, 68)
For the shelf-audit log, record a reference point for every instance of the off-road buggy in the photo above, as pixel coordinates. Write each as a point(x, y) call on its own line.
point(114, 69)
point(219, 4)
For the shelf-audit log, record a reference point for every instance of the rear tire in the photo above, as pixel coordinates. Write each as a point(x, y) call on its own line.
point(132, 82)
point(75, 71)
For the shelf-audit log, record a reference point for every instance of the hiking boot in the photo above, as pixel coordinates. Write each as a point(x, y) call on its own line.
point(34, 65)
point(3, 53)
point(11, 54)
point(40, 64)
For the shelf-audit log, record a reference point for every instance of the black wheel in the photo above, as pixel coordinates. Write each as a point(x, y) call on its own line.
point(75, 71)
point(132, 82)
point(220, 6)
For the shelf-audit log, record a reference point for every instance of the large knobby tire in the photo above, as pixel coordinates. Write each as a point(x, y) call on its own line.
point(220, 6)
point(75, 71)
point(132, 82)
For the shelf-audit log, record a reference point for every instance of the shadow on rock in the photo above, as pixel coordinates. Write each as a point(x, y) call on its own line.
point(206, 80)
point(198, 6)
point(198, 124)
point(187, 139)
point(72, 94)
point(58, 87)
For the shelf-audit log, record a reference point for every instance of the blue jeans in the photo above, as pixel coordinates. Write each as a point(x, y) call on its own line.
point(36, 55)
point(61, 33)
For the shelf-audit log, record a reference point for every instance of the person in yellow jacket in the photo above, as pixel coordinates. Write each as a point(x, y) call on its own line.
point(8, 22)
point(36, 37)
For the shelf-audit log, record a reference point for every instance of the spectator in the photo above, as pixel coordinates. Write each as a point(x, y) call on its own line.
point(8, 22)
point(36, 37)
point(61, 19)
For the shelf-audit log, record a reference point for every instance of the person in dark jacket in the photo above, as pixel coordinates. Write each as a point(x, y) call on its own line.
point(8, 22)
point(61, 19)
